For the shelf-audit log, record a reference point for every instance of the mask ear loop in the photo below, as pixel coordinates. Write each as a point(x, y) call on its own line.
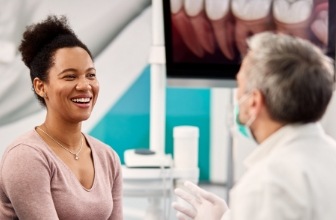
point(247, 131)
point(236, 106)
point(250, 121)
point(242, 99)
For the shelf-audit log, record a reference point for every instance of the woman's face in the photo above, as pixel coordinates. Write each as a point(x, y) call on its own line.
point(72, 87)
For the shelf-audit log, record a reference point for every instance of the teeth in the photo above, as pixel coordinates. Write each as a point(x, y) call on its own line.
point(320, 26)
point(205, 38)
point(224, 33)
point(182, 23)
point(217, 9)
point(81, 100)
point(175, 6)
point(290, 12)
point(193, 7)
point(245, 28)
point(251, 9)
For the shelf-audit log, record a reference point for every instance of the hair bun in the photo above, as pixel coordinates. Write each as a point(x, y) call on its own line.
point(37, 36)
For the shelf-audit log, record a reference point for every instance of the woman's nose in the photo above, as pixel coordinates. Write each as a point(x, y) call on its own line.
point(83, 84)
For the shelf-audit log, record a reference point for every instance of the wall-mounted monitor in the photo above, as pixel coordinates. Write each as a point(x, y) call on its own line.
point(205, 40)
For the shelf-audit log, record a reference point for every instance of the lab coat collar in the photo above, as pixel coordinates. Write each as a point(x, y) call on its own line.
point(276, 140)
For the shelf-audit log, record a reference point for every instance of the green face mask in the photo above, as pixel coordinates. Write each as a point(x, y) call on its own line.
point(243, 129)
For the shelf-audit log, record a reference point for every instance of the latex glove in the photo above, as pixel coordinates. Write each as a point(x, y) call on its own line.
point(200, 203)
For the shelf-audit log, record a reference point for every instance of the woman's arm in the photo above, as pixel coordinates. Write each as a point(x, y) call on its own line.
point(25, 185)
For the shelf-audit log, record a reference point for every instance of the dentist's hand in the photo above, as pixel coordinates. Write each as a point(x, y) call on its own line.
point(202, 204)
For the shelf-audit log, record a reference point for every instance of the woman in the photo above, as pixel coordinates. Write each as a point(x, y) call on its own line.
point(55, 171)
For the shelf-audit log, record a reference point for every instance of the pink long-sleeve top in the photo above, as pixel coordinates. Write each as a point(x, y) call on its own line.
point(36, 184)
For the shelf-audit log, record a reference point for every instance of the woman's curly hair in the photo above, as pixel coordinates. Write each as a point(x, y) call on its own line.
point(40, 43)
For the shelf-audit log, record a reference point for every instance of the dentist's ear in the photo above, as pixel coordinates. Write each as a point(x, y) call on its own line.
point(257, 102)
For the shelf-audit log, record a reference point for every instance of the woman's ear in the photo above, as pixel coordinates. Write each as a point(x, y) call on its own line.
point(39, 87)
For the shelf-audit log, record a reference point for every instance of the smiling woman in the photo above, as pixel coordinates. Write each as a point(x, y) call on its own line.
point(74, 87)
point(70, 175)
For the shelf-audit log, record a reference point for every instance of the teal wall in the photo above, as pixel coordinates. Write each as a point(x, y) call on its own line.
point(126, 125)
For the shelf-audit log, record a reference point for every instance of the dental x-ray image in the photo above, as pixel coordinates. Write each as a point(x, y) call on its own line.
point(207, 38)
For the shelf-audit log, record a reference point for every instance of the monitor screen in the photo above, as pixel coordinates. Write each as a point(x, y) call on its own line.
point(205, 40)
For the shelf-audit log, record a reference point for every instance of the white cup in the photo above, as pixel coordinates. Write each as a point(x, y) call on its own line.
point(185, 147)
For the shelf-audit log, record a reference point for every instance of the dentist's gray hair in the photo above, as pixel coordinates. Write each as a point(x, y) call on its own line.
point(294, 75)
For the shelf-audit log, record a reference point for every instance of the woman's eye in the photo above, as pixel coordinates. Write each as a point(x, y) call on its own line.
point(69, 76)
point(92, 75)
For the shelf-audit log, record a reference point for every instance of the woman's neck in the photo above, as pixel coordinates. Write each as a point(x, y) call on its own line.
point(67, 133)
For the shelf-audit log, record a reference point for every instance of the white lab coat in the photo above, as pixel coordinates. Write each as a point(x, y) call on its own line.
point(290, 176)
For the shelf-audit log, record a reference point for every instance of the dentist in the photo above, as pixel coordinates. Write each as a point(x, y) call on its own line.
point(284, 87)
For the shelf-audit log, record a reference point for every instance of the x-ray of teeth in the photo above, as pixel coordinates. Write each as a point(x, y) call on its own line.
point(218, 29)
